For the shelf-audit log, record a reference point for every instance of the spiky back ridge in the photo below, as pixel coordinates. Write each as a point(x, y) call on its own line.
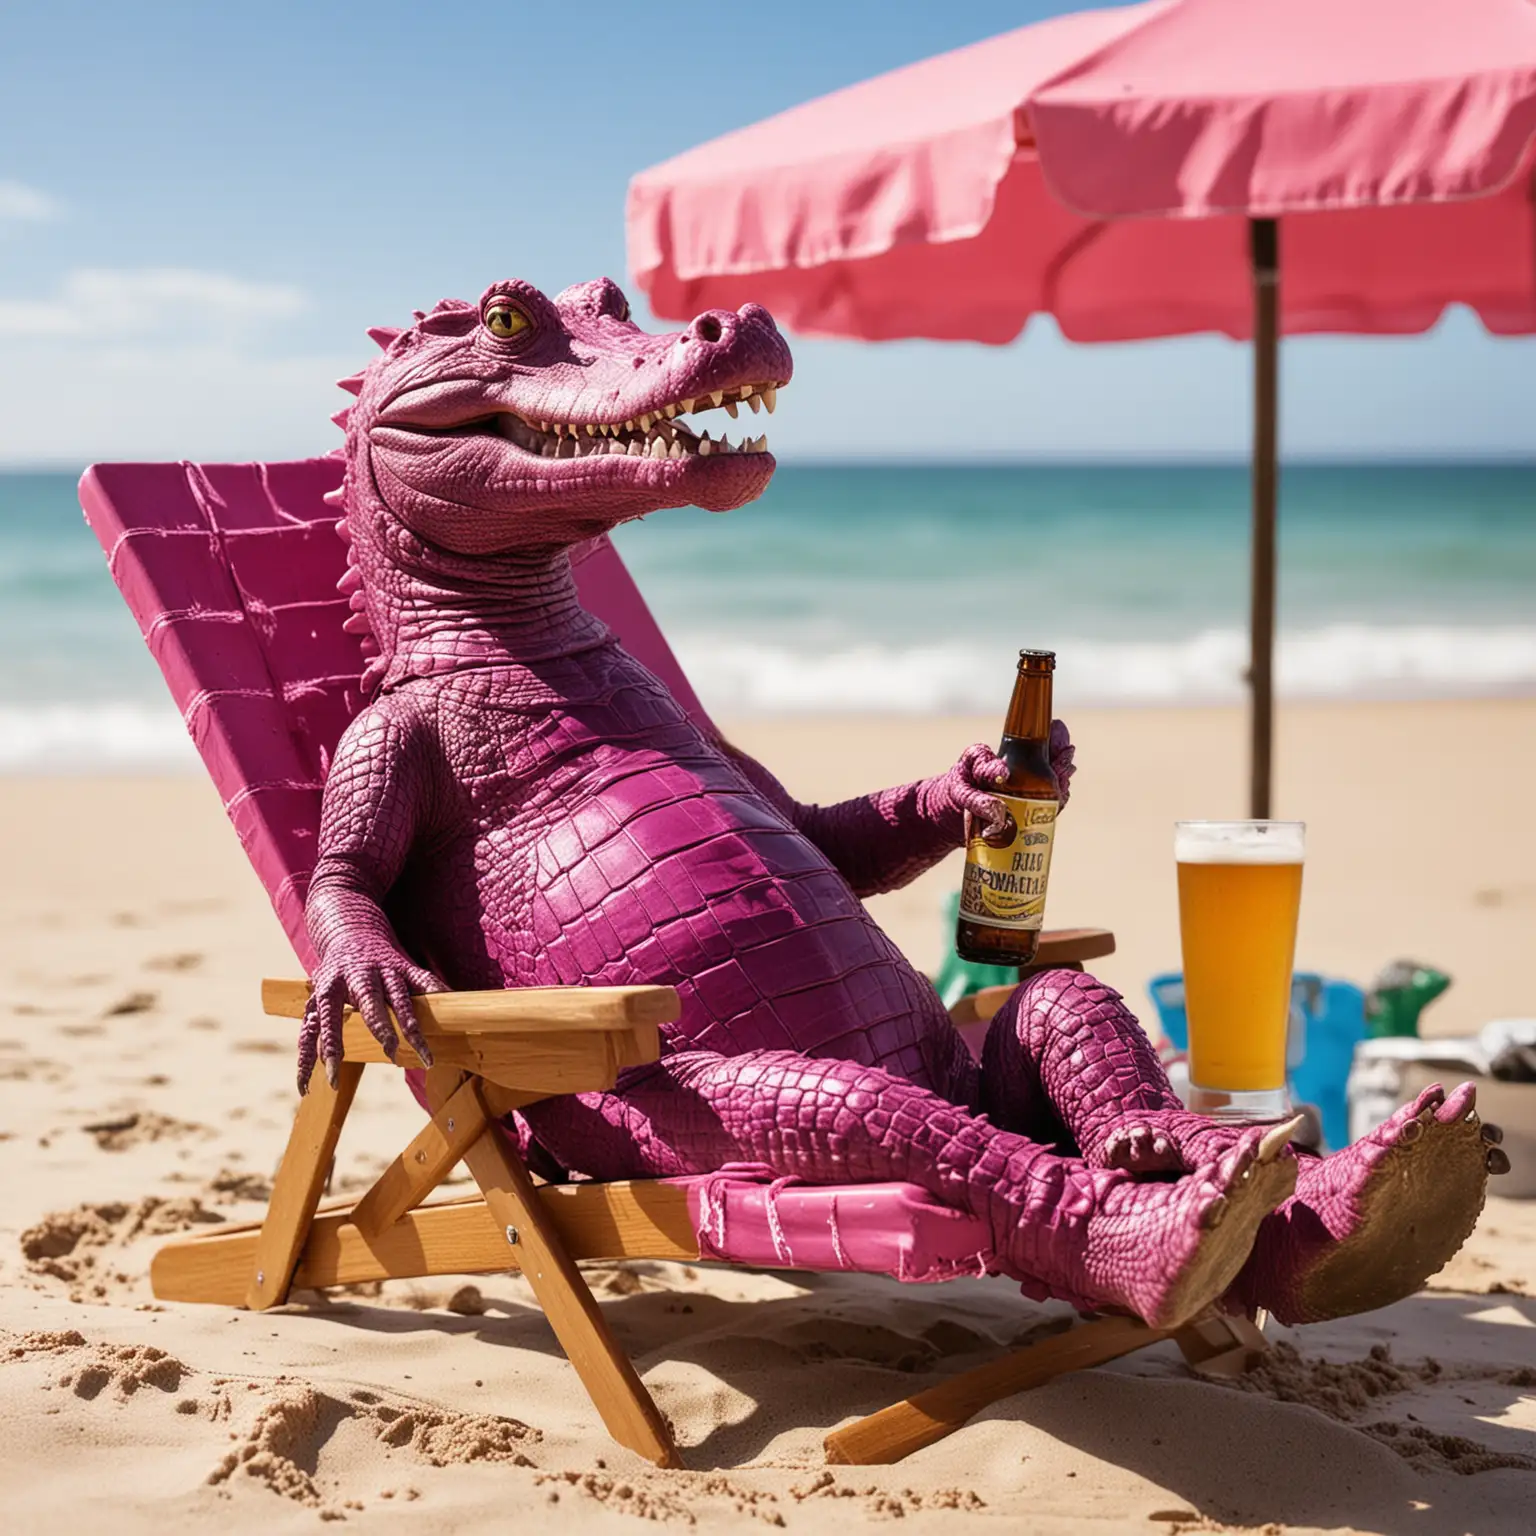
point(351, 584)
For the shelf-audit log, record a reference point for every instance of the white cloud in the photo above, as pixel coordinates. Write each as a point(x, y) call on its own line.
point(26, 205)
point(162, 362)
point(105, 304)
point(64, 403)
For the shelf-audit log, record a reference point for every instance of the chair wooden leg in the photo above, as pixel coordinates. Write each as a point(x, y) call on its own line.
point(897, 1431)
point(626, 1408)
point(296, 1189)
point(424, 1164)
point(1215, 1344)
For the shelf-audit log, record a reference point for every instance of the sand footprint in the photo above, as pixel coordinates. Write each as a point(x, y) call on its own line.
point(1347, 1390)
point(188, 960)
point(133, 1128)
point(81, 1247)
point(830, 1338)
point(295, 1439)
point(298, 1423)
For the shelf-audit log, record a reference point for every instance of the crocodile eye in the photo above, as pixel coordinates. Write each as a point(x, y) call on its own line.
point(505, 319)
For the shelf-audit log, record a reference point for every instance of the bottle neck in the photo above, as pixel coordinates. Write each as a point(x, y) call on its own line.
point(1029, 710)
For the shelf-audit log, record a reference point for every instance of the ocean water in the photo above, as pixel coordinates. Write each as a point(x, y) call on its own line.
point(910, 588)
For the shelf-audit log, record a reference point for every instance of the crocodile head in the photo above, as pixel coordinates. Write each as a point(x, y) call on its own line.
point(524, 422)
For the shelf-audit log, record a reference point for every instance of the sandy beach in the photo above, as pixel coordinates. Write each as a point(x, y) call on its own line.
point(142, 1091)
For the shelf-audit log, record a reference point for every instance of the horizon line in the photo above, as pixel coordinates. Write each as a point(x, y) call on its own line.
point(1113, 459)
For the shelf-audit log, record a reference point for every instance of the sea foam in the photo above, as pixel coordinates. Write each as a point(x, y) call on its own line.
point(1336, 662)
point(735, 677)
point(93, 738)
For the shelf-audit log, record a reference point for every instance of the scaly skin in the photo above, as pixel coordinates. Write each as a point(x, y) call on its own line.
point(1366, 1226)
point(522, 804)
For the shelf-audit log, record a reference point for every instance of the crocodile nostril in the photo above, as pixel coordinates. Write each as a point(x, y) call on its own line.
point(707, 328)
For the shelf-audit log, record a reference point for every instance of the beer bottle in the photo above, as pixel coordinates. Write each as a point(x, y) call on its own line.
point(1002, 895)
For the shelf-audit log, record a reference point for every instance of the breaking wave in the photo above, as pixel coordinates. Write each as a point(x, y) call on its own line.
point(734, 677)
point(93, 738)
point(1342, 661)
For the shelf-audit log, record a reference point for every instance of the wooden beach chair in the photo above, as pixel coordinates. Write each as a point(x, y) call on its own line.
point(231, 572)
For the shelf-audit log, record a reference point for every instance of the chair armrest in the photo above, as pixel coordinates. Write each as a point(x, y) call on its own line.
point(517, 1010)
point(1071, 946)
point(534, 1041)
point(1066, 947)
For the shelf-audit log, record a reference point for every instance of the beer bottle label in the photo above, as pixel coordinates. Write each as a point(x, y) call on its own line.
point(1005, 887)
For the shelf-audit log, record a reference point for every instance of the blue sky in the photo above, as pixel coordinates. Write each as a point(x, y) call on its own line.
point(202, 206)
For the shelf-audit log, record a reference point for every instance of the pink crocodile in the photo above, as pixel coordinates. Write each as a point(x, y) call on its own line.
point(522, 803)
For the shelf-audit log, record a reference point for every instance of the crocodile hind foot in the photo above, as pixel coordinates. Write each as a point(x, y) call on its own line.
point(1369, 1225)
point(1165, 1251)
point(1256, 1177)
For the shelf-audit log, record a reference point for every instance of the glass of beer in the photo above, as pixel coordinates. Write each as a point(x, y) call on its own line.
point(1239, 897)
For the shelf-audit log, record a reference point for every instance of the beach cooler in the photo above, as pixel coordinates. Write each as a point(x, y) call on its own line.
point(1389, 1070)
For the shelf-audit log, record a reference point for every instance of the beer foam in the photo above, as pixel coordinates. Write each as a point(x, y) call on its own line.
point(1239, 842)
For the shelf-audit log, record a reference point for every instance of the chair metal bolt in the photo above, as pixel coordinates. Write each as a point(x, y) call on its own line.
point(450, 1122)
point(512, 1235)
point(261, 1277)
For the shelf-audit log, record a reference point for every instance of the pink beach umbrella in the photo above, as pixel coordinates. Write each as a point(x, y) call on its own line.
point(1135, 173)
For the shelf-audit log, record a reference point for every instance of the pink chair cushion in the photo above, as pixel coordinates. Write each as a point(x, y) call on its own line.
point(885, 1229)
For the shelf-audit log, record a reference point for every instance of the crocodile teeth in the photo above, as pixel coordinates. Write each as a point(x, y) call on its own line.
point(655, 434)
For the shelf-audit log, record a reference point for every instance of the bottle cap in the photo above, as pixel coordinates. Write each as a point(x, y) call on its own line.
point(1047, 657)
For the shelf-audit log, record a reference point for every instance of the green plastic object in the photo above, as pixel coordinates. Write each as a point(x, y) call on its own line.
point(1399, 995)
point(958, 978)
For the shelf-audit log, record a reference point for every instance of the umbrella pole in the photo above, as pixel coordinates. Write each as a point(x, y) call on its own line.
point(1264, 255)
